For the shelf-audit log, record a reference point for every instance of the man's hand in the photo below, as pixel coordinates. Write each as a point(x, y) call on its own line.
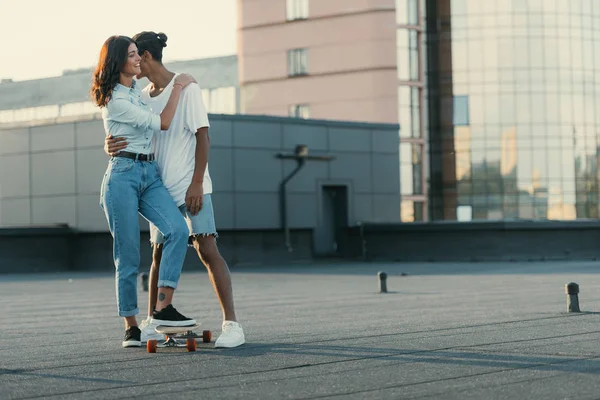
point(193, 198)
point(112, 146)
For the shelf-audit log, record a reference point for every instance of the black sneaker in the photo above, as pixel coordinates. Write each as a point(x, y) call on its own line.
point(132, 337)
point(169, 316)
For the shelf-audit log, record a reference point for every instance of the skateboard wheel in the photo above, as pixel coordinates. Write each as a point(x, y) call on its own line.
point(151, 346)
point(206, 336)
point(191, 344)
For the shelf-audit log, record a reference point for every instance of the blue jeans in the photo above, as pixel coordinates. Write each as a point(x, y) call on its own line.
point(129, 187)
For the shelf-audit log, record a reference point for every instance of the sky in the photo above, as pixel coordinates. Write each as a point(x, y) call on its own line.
point(42, 38)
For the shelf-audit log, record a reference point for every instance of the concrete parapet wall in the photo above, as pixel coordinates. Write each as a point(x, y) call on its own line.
point(475, 241)
point(59, 248)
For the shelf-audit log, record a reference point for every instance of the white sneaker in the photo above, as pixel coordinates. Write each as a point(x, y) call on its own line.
point(148, 331)
point(232, 335)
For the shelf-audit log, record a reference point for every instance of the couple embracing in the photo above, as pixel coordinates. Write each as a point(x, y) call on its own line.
point(159, 146)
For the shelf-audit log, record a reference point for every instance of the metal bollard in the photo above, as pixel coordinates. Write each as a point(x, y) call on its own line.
point(572, 291)
point(382, 282)
point(144, 278)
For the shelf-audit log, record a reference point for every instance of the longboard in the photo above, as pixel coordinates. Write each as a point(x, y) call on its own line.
point(171, 330)
point(178, 332)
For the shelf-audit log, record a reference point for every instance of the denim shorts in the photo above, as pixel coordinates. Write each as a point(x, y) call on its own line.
point(201, 224)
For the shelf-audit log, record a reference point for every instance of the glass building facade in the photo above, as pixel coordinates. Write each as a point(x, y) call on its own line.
point(411, 63)
point(513, 109)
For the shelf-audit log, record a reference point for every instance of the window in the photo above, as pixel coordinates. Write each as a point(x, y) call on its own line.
point(300, 111)
point(464, 213)
point(461, 110)
point(297, 9)
point(222, 100)
point(48, 112)
point(411, 164)
point(406, 12)
point(407, 55)
point(81, 108)
point(411, 211)
point(297, 62)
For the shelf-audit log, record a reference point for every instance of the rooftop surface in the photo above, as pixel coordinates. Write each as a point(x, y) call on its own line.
point(443, 331)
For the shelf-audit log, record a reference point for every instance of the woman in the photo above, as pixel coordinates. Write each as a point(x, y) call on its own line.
point(132, 184)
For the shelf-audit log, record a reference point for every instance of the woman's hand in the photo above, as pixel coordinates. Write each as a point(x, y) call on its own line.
point(184, 80)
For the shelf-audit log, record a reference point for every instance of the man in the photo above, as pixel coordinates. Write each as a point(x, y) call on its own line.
point(182, 157)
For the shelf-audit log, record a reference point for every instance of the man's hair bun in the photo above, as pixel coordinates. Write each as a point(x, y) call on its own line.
point(162, 38)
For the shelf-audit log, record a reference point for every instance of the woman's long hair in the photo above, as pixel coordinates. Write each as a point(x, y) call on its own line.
point(113, 57)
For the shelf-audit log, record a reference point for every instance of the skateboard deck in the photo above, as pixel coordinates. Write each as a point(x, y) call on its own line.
point(178, 332)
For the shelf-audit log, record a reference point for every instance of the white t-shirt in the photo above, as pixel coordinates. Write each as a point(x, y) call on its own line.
point(175, 149)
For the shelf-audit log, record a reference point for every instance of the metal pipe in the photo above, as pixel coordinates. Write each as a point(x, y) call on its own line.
point(300, 161)
point(300, 155)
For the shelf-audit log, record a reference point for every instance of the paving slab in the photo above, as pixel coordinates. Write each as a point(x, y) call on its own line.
point(444, 331)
